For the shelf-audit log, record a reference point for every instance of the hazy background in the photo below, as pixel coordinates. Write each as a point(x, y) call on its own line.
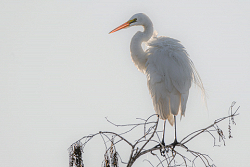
point(61, 74)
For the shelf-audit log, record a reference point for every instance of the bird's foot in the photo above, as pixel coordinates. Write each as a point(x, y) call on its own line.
point(162, 146)
point(176, 143)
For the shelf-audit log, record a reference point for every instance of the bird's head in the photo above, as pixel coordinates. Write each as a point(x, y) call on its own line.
point(136, 20)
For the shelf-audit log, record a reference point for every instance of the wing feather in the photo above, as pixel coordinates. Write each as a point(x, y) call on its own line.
point(169, 73)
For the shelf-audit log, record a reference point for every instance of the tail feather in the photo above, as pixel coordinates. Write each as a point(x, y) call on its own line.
point(162, 108)
point(184, 98)
point(175, 103)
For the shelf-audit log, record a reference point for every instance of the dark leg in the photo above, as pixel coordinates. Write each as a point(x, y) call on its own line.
point(175, 136)
point(162, 145)
point(162, 142)
point(175, 143)
point(175, 128)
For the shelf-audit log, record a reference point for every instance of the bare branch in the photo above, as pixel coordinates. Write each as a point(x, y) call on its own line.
point(166, 155)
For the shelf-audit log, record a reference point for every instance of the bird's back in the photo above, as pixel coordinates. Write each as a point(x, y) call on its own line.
point(170, 73)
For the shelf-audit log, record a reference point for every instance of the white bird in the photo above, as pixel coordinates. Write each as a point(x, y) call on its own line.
point(168, 68)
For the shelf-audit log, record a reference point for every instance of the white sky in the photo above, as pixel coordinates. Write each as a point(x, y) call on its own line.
point(62, 74)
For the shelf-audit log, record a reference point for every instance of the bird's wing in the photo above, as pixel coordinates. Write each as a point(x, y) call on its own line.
point(169, 73)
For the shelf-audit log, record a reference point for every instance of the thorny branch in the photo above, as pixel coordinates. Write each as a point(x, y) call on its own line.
point(143, 145)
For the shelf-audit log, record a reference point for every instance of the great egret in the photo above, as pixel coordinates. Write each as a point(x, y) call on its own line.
point(168, 68)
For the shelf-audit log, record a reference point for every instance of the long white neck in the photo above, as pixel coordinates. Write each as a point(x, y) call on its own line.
point(137, 53)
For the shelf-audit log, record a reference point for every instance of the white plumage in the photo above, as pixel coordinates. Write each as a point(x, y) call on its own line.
point(168, 68)
point(169, 73)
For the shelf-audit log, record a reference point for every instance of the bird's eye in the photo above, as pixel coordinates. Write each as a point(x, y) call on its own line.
point(132, 21)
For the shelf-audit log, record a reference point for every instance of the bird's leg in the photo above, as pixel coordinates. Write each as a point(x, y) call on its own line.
point(162, 142)
point(175, 138)
point(175, 143)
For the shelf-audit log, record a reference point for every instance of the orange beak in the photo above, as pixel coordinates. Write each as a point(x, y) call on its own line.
point(120, 27)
